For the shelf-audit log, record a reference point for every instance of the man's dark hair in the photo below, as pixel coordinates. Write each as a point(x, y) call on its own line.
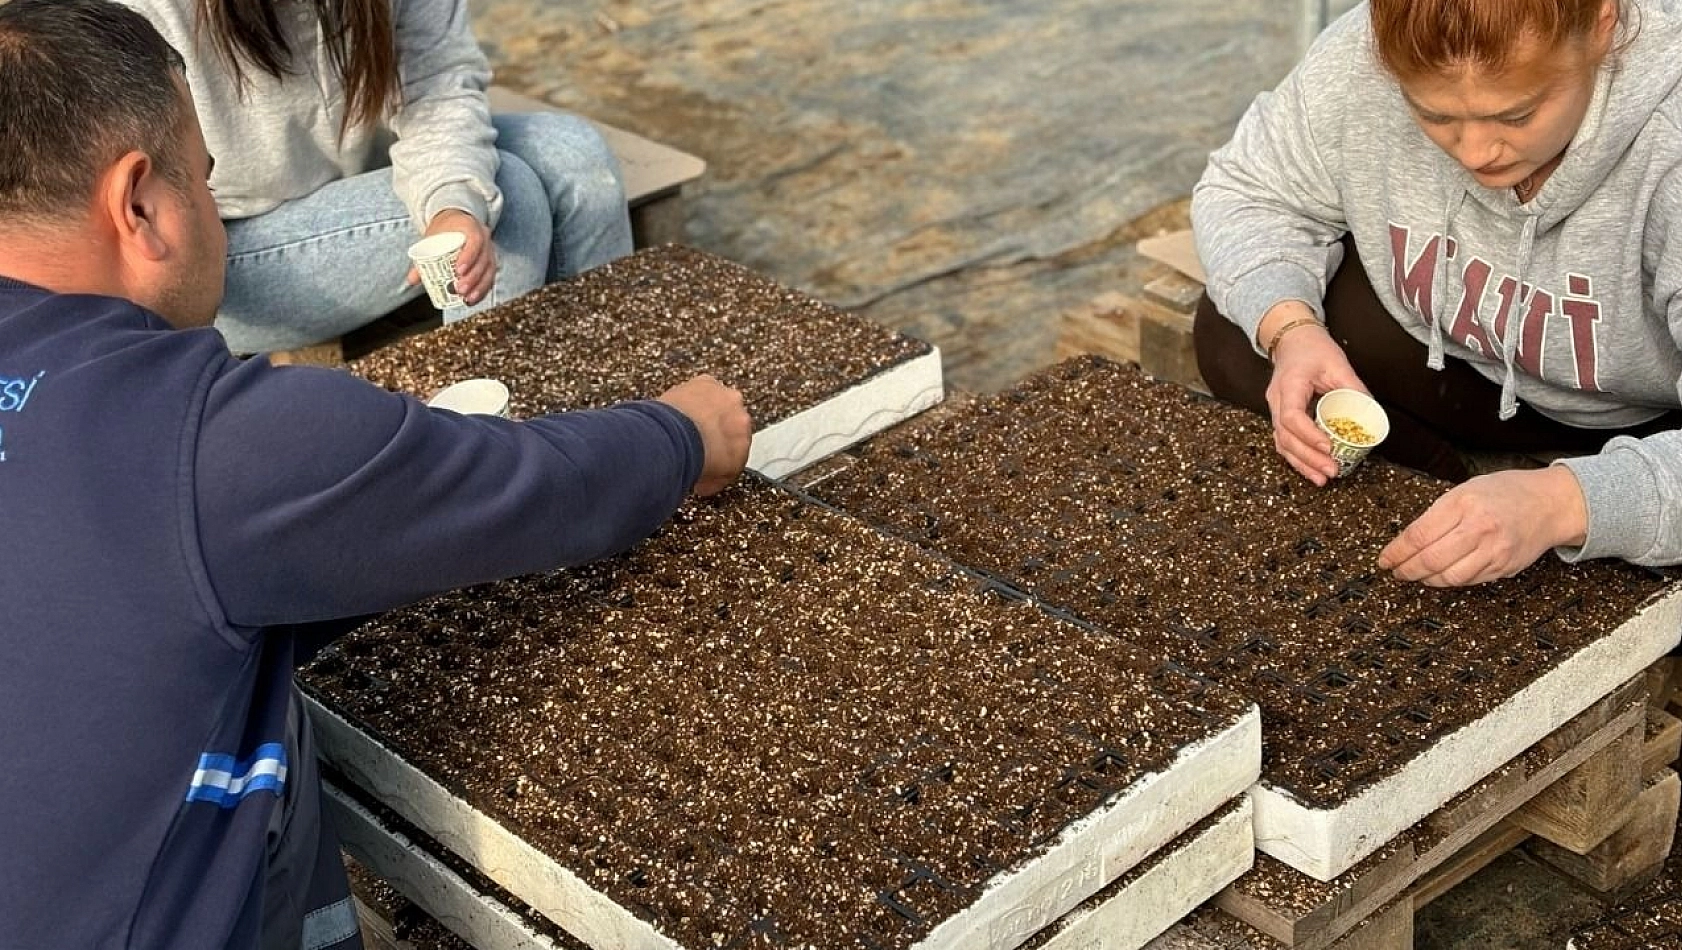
point(82, 83)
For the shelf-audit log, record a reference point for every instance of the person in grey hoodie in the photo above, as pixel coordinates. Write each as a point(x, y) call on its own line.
point(344, 130)
point(1501, 181)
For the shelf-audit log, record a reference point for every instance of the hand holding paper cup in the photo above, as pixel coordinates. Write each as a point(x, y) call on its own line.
point(486, 397)
point(435, 259)
point(1356, 423)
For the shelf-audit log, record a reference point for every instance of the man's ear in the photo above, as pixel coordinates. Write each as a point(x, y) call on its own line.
point(131, 199)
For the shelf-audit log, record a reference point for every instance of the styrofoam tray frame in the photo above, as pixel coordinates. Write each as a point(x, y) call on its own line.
point(851, 416)
point(1136, 914)
point(1086, 856)
point(1324, 843)
point(483, 921)
point(1148, 906)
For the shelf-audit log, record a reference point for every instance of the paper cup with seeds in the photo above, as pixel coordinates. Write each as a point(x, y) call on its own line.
point(1356, 423)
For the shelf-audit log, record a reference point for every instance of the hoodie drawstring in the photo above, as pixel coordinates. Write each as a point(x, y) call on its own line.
point(1515, 320)
point(1434, 356)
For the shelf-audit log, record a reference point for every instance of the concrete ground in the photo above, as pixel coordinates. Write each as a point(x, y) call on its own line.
point(964, 170)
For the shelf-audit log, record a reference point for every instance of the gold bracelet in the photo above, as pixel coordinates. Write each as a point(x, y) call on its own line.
point(1279, 334)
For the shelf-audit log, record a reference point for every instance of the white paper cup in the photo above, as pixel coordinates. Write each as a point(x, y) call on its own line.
point(484, 397)
point(435, 258)
point(1356, 423)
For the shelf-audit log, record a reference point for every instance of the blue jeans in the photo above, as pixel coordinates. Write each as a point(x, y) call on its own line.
point(322, 265)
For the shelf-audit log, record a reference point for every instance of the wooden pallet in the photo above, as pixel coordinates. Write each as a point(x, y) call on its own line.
point(1664, 741)
point(1149, 329)
point(1581, 772)
point(1630, 857)
point(1153, 327)
point(1664, 685)
point(1559, 778)
point(1644, 899)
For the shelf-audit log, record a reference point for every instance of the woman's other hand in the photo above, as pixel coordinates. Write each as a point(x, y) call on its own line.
point(1490, 527)
point(476, 267)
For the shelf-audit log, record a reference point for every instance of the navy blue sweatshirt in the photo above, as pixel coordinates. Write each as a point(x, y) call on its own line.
point(163, 506)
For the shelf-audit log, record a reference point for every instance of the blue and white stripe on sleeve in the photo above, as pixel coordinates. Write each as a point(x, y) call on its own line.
point(226, 782)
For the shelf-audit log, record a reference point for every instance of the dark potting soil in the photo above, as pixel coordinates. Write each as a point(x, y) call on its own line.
point(769, 724)
point(1168, 519)
point(639, 325)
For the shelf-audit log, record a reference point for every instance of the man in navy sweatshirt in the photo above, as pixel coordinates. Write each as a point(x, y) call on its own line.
point(169, 513)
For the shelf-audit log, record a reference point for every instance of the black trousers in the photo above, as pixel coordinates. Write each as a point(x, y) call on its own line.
point(1434, 415)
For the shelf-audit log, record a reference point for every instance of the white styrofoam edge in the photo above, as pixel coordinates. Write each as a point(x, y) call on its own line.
point(1087, 856)
point(1165, 894)
point(1108, 843)
point(481, 920)
point(500, 855)
point(1126, 920)
point(1324, 843)
point(810, 435)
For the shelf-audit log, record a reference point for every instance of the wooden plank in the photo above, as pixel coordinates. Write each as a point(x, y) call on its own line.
point(1632, 855)
point(1177, 249)
point(1305, 914)
point(1504, 837)
point(1389, 929)
point(1665, 685)
point(1594, 800)
point(661, 221)
point(1663, 744)
point(1175, 291)
point(1211, 929)
point(1166, 351)
point(1133, 329)
point(1658, 681)
point(1297, 910)
point(1105, 326)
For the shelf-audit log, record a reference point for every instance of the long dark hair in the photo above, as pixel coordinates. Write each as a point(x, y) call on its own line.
point(361, 43)
point(82, 83)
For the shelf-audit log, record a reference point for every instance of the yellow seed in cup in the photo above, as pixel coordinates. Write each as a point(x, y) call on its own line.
point(1349, 431)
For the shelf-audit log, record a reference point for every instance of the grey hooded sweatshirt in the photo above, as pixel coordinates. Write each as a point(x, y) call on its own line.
point(278, 139)
point(1572, 303)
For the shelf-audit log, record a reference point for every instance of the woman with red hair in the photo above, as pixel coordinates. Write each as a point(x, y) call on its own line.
point(1499, 180)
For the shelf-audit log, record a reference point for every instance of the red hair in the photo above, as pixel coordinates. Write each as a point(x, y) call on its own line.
point(1417, 38)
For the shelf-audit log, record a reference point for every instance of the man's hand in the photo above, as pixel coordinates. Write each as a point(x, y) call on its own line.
point(1490, 527)
point(476, 267)
point(1306, 363)
point(726, 429)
